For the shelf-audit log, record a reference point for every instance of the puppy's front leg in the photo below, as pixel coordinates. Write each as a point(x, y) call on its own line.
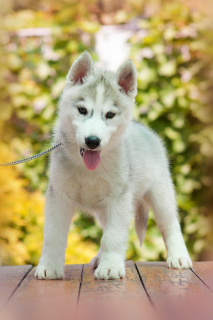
point(113, 242)
point(58, 214)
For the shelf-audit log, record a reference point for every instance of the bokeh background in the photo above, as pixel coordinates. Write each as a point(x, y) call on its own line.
point(171, 44)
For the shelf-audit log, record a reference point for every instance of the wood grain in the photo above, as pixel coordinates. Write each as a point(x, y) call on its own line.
point(204, 270)
point(10, 279)
point(114, 299)
point(176, 294)
point(46, 299)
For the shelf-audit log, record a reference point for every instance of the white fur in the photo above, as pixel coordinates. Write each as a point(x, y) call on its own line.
point(133, 173)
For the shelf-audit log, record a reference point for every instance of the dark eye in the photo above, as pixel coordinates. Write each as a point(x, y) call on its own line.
point(110, 115)
point(82, 110)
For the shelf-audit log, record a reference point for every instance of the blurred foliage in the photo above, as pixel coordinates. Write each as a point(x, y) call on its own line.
point(21, 216)
point(171, 57)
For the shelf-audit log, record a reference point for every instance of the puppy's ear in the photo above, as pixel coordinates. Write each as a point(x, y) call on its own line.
point(126, 78)
point(81, 69)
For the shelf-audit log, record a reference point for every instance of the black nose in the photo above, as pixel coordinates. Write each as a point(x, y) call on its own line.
point(92, 142)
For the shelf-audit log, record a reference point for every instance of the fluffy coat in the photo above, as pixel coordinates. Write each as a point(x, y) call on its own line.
point(128, 171)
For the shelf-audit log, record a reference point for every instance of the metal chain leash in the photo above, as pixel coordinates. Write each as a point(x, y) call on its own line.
point(31, 158)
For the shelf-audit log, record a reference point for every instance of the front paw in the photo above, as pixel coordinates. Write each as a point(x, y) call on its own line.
point(49, 272)
point(179, 262)
point(107, 270)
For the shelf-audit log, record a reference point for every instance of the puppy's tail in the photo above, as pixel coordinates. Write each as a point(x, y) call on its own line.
point(141, 218)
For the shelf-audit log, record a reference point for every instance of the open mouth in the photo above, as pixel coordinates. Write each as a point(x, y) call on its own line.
point(91, 158)
point(82, 150)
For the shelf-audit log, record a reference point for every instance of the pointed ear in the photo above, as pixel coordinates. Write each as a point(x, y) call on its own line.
point(81, 69)
point(126, 78)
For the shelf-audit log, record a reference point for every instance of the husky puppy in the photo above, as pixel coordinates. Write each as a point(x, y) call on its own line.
point(107, 166)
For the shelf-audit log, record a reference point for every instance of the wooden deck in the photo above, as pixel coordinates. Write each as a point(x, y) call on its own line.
point(149, 291)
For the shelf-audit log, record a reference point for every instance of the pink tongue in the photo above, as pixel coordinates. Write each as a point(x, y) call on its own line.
point(91, 159)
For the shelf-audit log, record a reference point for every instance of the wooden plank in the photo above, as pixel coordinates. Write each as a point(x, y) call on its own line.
point(176, 294)
point(46, 299)
point(10, 279)
point(114, 299)
point(204, 270)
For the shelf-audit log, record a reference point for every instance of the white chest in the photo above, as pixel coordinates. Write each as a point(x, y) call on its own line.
point(87, 193)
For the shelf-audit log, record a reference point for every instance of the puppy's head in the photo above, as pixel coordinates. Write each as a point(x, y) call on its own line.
point(96, 107)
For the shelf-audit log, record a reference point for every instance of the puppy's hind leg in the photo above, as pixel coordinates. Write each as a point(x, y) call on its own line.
point(162, 201)
point(95, 261)
point(141, 218)
point(102, 221)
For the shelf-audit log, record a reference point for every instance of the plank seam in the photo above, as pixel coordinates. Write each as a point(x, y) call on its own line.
point(80, 285)
point(201, 280)
point(150, 300)
point(18, 285)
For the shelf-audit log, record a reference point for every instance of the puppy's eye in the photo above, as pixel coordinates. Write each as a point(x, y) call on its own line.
point(82, 110)
point(110, 115)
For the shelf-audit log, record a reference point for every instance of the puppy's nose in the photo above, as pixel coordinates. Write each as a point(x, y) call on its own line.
point(92, 142)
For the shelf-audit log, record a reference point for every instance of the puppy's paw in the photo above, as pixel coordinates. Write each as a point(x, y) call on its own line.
point(49, 272)
point(110, 271)
point(94, 262)
point(183, 262)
